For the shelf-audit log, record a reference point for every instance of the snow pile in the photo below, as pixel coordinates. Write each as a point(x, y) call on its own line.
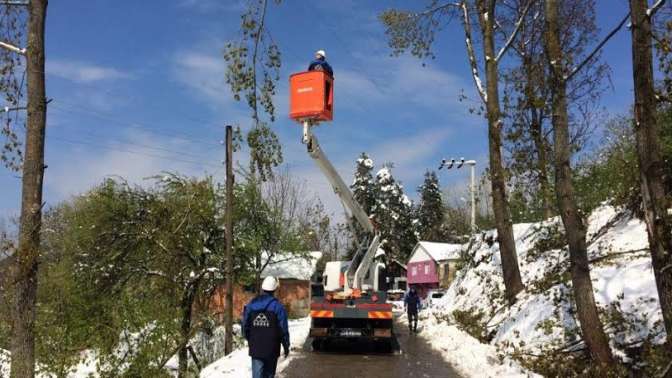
point(542, 317)
point(466, 354)
point(239, 364)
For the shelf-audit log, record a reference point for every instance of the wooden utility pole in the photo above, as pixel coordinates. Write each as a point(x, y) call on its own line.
point(25, 271)
point(228, 342)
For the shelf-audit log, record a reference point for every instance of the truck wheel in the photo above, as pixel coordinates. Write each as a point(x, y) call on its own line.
point(317, 345)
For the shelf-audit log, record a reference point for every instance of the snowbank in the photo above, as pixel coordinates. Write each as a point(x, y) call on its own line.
point(622, 277)
point(467, 355)
point(238, 363)
point(206, 347)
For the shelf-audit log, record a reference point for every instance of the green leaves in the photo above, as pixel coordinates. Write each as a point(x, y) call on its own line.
point(252, 73)
point(12, 78)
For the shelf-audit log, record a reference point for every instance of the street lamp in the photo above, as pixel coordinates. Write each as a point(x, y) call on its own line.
point(448, 164)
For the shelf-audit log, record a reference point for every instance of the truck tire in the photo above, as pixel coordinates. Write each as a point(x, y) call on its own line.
point(318, 345)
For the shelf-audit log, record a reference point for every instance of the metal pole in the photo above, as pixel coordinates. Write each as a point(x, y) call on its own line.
point(228, 340)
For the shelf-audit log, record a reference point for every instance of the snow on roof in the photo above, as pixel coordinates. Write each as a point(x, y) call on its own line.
point(440, 251)
point(296, 267)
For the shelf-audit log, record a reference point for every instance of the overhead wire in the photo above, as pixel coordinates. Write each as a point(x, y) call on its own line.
point(127, 142)
point(107, 147)
point(135, 125)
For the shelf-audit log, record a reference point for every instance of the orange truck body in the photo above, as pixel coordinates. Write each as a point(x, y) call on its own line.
point(311, 96)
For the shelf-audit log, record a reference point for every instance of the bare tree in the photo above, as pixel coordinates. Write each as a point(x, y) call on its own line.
point(651, 163)
point(415, 31)
point(575, 228)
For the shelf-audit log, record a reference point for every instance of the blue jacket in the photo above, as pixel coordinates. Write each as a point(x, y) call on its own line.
point(412, 302)
point(321, 63)
point(258, 304)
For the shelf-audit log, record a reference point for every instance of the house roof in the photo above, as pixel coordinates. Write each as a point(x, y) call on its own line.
point(293, 267)
point(439, 251)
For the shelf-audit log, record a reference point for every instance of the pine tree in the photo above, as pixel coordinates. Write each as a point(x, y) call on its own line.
point(393, 213)
point(363, 191)
point(430, 210)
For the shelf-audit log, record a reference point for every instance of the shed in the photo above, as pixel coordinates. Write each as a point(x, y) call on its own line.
point(294, 273)
point(432, 265)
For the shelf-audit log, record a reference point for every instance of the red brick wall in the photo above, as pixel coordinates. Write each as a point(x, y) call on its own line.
point(293, 294)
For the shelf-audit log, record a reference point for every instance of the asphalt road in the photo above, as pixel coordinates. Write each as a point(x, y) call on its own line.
point(414, 357)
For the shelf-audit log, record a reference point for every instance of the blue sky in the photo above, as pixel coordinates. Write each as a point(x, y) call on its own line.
point(138, 88)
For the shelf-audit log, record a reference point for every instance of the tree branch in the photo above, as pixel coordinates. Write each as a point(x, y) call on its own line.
point(7, 109)
point(470, 52)
point(514, 32)
point(437, 8)
point(12, 48)
point(654, 8)
point(599, 46)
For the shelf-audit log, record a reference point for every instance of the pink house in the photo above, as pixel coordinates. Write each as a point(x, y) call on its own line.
point(432, 265)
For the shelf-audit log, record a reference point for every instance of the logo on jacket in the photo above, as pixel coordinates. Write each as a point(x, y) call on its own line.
point(261, 321)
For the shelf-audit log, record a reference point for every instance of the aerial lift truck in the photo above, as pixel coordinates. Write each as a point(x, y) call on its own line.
point(354, 305)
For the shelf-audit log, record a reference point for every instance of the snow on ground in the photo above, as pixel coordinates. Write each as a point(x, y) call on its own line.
point(4, 363)
point(467, 355)
point(622, 277)
point(239, 364)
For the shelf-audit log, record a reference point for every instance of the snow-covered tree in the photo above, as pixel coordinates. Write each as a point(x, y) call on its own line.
point(430, 211)
point(363, 189)
point(393, 214)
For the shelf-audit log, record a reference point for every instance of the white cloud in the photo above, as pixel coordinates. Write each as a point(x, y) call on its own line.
point(409, 154)
point(82, 72)
point(203, 74)
point(213, 5)
point(134, 162)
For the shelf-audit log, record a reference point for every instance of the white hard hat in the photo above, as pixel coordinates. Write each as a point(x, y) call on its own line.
point(321, 53)
point(270, 284)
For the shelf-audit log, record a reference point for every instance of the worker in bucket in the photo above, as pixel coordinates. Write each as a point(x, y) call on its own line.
point(412, 305)
point(265, 328)
point(320, 63)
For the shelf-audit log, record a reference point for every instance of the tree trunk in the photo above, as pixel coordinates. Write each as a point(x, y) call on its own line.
point(25, 278)
point(185, 329)
point(507, 247)
point(538, 137)
point(575, 229)
point(542, 166)
point(651, 164)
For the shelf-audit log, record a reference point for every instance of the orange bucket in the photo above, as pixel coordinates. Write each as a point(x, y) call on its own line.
point(311, 96)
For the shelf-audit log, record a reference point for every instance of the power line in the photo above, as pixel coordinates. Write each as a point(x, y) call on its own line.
point(163, 157)
point(126, 142)
point(135, 125)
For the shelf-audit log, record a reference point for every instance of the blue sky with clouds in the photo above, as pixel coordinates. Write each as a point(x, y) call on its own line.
point(138, 88)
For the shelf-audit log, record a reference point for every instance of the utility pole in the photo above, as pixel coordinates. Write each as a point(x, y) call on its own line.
point(448, 164)
point(228, 341)
point(25, 272)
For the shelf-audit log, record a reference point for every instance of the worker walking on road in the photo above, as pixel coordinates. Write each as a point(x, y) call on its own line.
point(412, 304)
point(265, 328)
point(320, 63)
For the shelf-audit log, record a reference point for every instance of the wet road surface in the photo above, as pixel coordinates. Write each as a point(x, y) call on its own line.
point(414, 358)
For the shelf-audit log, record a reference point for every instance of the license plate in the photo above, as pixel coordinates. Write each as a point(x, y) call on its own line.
point(351, 333)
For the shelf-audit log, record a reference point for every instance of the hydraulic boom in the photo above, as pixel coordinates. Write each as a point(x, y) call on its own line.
point(362, 261)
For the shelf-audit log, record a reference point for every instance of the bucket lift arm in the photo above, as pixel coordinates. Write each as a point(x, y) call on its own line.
point(360, 263)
